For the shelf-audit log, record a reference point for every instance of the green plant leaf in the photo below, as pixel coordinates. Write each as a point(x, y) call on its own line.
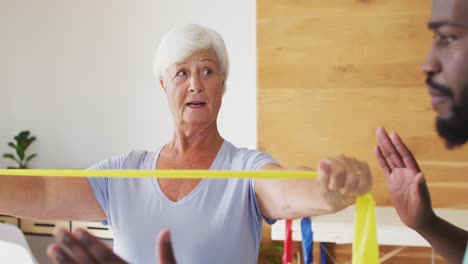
point(22, 139)
point(30, 157)
point(275, 260)
point(29, 141)
point(19, 137)
point(20, 152)
point(23, 134)
point(272, 248)
point(10, 156)
point(12, 145)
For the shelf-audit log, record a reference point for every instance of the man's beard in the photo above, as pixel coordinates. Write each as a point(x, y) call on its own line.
point(455, 129)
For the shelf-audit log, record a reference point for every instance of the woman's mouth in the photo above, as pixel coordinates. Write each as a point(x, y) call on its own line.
point(196, 104)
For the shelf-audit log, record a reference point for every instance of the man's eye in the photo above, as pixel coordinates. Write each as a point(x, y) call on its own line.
point(443, 40)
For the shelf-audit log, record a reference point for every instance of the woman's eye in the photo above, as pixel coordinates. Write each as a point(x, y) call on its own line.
point(181, 73)
point(207, 71)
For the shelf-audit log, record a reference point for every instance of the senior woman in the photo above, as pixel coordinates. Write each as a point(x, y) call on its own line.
point(211, 221)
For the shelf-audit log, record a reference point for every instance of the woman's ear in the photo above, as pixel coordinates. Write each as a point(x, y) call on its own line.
point(224, 81)
point(161, 81)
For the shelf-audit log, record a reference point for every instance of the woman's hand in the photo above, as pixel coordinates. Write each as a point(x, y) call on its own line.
point(341, 179)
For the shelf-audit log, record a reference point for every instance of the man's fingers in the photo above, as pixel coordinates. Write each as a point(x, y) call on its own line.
point(100, 251)
point(75, 249)
point(80, 247)
point(58, 255)
point(164, 244)
point(406, 155)
point(388, 150)
point(382, 161)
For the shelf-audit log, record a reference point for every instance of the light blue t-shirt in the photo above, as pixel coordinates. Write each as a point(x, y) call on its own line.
point(218, 222)
point(465, 259)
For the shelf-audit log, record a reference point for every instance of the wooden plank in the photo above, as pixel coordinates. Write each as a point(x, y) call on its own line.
point(341, 76)
point(284, 9)
point(374, 43)
point(95, 228)
point(42, 227)
point(328, 121)
point(341, 53)
point(342, 36)
point(9, 220)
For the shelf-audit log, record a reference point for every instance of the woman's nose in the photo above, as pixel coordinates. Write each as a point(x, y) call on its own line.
point(195, 84)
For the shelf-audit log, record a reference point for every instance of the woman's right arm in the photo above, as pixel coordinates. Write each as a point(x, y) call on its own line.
point(49, 198)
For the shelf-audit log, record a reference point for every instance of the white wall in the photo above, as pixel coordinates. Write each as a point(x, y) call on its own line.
point(5, 101)
point(80, 74)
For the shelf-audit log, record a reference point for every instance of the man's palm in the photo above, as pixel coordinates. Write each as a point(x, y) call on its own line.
point(409, 195)
point(406, 182)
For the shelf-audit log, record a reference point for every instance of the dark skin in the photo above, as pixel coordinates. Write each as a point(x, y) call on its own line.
point(446, 63)
point(446, 66)
point(81, 247)
point(411, 198)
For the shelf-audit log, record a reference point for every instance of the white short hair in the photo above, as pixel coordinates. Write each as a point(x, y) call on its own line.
point(183, 41)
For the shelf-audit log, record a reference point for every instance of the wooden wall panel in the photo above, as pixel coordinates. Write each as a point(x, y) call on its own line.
point(331, 71)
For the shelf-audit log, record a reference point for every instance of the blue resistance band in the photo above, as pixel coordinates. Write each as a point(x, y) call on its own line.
point(307, 240)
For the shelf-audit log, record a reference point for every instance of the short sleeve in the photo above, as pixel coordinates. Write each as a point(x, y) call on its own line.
point(254, 204)
point(465, 259)
point(100, 185)
point(256, 163)
point(261, 160)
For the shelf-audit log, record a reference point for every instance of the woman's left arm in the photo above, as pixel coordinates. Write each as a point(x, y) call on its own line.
point(339, 180)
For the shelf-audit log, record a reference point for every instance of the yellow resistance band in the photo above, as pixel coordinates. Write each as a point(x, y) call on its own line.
point(176, 174)
point(365, 247)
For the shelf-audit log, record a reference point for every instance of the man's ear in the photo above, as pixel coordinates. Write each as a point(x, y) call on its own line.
point(161, 81)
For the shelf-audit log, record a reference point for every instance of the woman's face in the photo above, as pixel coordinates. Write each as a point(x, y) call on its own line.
point(194, 89)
